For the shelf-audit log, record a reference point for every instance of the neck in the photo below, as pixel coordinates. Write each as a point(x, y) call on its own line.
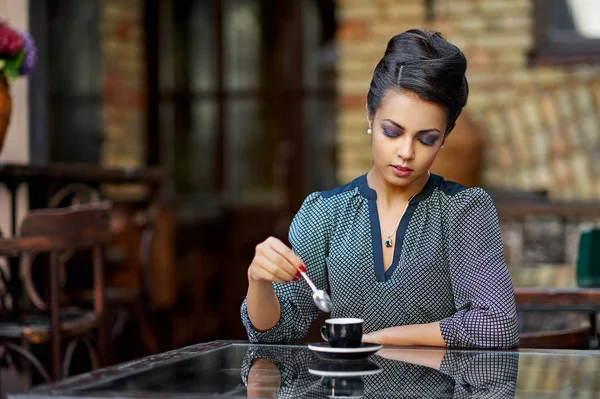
point(390, 195)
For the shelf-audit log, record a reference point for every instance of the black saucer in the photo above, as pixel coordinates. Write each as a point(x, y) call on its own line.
point(324, 351)
point(344, 379)
point(337, 369)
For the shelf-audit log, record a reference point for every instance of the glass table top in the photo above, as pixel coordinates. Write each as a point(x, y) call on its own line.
point(240, 370)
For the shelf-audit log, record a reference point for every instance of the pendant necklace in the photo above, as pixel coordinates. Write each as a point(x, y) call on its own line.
point(388, 240)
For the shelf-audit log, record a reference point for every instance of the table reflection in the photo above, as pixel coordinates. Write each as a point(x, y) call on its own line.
point(239, 370)
point(287, 372)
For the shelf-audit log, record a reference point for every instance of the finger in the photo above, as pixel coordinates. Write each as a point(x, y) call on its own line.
point(278, 271)
point(266, 254)
point(287, 253)
point(262, 274)
point(276, 258)
point(273, 271)
point(368, 338)
point(258, 271)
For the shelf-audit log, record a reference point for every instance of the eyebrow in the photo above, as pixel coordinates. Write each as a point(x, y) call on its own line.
point(420, 131)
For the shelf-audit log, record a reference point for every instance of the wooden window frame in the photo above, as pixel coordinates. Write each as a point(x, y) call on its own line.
point(563, 51)
point(291, 86)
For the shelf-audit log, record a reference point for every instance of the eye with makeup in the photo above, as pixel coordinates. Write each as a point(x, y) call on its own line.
point(427, 139)
point(391, 132)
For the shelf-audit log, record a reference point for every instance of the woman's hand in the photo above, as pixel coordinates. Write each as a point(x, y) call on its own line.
point(409, 335)
point(375, 337)
point(430, 357)
point(275, 262)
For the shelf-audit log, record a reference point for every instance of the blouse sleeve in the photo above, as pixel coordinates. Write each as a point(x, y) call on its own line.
point(481, 285)
point(309, 236)
point(482, 374)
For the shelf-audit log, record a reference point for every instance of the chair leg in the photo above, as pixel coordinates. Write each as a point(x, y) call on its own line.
point(99, 305)
point(120, 320)
point(30, 357)
point(68, 357)
point(92, 353)
point(54, 319)
point(94, 359)
point(2, 351)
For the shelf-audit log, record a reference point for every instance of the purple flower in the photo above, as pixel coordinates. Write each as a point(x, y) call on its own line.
point(30, 54)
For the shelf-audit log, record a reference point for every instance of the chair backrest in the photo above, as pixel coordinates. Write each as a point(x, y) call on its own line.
point(77, 227)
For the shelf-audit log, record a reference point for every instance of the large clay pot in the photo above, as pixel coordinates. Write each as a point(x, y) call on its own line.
point(5, 109)
point(461, 158)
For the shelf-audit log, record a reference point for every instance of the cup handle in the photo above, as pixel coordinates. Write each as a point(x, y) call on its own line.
point(324, 333)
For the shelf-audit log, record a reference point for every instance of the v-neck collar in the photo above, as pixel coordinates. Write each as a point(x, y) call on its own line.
point(371, 195)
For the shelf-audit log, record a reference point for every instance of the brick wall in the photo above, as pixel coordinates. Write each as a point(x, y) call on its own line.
point(122, 41)
point(541, 124)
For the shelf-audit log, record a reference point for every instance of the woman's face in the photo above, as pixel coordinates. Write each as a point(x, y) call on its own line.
point(407, 135)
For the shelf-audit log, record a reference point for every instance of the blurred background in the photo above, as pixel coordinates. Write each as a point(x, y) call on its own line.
point(207, 122)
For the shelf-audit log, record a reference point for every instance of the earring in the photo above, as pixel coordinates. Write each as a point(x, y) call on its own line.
point(369, 131)
point(442, 147)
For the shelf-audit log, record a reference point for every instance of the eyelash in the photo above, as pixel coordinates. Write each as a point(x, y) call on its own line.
point(422, 141)
point(428, 143)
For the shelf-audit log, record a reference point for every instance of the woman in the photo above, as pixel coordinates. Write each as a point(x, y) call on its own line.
point(418, 258)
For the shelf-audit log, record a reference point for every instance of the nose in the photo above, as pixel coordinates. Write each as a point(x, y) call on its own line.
point(406, 148)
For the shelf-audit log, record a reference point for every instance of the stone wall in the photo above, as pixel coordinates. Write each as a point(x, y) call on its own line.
point(541, 124)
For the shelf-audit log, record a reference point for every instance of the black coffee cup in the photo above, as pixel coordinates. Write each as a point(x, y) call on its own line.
point(346, 387)
point(343, 333)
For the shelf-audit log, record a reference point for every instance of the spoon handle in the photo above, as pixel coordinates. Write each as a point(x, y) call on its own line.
point(310, 283)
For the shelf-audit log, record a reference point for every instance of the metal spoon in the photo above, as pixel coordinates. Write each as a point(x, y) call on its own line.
point(321, 298)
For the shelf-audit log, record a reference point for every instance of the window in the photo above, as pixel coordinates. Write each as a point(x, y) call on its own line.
point(246, 98)
point(567, 31)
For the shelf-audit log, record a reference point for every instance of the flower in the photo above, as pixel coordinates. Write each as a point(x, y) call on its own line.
point(30, 54)
point(10, 41)
point(18, 54)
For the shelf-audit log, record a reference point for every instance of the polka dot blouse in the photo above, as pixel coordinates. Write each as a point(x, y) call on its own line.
point(448, 266)
point(462, 374)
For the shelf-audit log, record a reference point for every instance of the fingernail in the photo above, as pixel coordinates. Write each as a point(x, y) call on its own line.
point(296, 279)
point(303, 268)
point(298, 275)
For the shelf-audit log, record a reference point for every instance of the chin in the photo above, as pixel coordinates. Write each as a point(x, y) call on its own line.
point(394, 180)
point(405, 181)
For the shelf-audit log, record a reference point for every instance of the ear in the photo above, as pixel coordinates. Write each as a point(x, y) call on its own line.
point(369, 117)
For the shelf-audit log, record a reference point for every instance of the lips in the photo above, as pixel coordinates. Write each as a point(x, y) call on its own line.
point(401, 171)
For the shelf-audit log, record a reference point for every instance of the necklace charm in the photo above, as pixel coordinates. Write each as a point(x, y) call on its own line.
point(388, 242)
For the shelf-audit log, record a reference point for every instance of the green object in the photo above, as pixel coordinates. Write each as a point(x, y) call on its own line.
point(588, 259)
point(11, 66)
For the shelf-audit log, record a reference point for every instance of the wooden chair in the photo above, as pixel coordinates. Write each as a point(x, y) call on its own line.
point(127, 267)
point(57, 232)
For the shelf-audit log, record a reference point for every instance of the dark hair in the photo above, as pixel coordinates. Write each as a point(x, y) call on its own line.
point(426, 64)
